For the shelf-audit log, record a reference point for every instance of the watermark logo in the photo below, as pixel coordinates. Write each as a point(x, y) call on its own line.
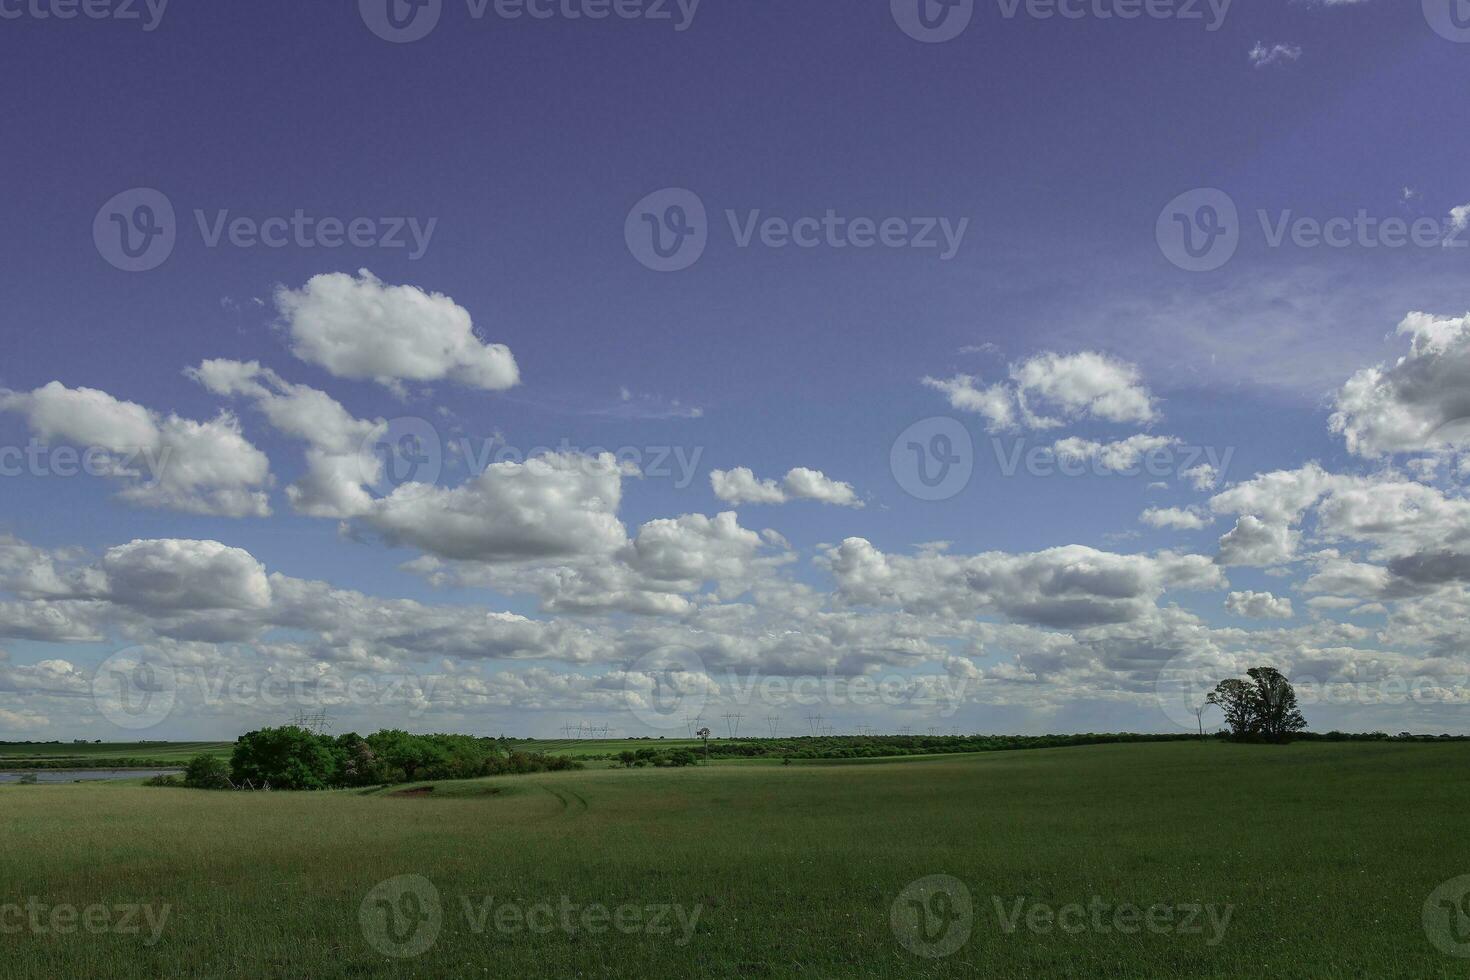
point(1447, 917)
point(401, 917)
point(135, 231)
point(668, 230)
point(664, 691)
point(1183, 687)
point(1199, 231)
point(304, 689)
point(406, 458)
point(942, 695)
point(401, 21)
point(1449, 18)
point(933, 21)
point(933, 917)
point(135, 688)
point(933, 459)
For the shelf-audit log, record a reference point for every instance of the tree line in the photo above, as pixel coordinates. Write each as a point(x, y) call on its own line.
point(293, 758)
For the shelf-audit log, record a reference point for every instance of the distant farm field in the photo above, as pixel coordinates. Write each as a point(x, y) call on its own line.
point(21, 755)
point(1312, 860)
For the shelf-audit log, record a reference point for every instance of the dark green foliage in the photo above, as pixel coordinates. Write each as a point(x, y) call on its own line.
point(663, 759)
point(295, 758)
point(207, 772)
point(1263, 708)
point(284, 758)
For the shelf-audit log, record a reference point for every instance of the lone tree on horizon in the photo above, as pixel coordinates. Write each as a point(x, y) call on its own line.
point(1264, 707)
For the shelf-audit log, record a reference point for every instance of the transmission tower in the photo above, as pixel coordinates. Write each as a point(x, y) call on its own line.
point(732, 724)
point(774, 721)
point(315, 721)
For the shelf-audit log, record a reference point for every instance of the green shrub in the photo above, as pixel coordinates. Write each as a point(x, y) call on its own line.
point(284, 758)
point(296, 758)
point(207, 772)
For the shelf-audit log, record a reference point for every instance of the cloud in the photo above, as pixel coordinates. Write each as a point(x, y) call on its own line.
point(740, 486)
point(1202, 477)
point(175, 575)
point(1113, 457)
point(1259, 605)
point(1050, 390)
point(361, 329)
point(1181, 519)
point(556, 505)
point(1421, 403)
point(162, 461)
point(1068, 587)
point(1460, 217)
point(1257, 542)
point(22, 721)
point(1264, 56)
point(996, 402)
point(340, 459)
point(1280, 497)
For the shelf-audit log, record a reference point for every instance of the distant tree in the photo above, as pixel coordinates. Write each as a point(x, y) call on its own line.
point(359, 764)
point(682, 757)
point(1277, 715)
point(628, 758)
point(286, 758)
point(207, 772)
point(1264, 707)
point(1233, 697)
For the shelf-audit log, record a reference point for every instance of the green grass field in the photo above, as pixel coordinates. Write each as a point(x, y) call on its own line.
point(86, 753)
point(1322, 855)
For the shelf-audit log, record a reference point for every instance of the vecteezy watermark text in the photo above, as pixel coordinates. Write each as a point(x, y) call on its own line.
point(936, 21)
point(1201, 230)
point(410, 451)
point(935, 916)
point(140, 687)
point(42, 460)
point(667, 691)
point(137, 230)
point(936, 458)
point(147, 13)
point(97, 919)
point(403, 917)
point(406, 21)
point(669, 230)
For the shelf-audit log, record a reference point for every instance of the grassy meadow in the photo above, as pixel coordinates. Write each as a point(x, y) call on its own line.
point(1323, 855)
point(81, 755)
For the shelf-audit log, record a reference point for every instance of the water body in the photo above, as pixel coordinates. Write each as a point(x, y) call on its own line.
point(76, 775)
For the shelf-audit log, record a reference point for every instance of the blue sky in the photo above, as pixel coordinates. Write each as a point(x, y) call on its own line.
point(521, 149)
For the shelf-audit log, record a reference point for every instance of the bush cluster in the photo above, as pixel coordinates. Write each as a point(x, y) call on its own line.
point(662, 758)
point(299, 759)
